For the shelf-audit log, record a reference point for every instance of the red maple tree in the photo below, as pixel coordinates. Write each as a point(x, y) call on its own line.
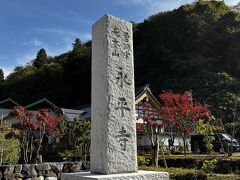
point(34, 126)
point(180, 113)
point(150, 125)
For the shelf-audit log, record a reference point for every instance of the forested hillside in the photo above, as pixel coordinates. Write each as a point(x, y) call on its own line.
point(195, 47)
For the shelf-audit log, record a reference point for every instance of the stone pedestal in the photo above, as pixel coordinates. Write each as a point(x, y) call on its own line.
point(140, 175)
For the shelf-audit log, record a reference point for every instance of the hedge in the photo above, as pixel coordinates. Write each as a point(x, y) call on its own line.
point(224, 165)
point(210, 164)
point(223, 177)
point(178, 173)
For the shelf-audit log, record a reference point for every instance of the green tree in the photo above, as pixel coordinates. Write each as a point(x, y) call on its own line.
point(9, 145)
point(41, 59)
point(221, 91)
point(20, 74)
point(80, 50)
point(77, 44)
point(207, 129)
point(197, 51)
point(1, 75)
point(79, 133)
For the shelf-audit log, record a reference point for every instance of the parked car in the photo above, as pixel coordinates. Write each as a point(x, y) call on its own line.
point(222, 142)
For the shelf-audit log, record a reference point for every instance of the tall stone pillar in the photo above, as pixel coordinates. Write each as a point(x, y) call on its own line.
point(113, 136)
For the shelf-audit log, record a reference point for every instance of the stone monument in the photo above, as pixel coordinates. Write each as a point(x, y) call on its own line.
point(113, 126)
point(113, 135)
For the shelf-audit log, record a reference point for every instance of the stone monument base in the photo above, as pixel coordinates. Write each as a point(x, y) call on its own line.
point(140, 175)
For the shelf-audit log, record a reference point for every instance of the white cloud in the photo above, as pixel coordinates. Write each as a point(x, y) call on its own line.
point(33, 42)
point(20, 61)
point(66, 43)
point(151, 7)
point(134, 2)
point(65, 33)
point(63, 41)
point(154, 6)
point(162, 4)
point(74, 16)
point(36, 42)
point(26, 58)
point(232, 2)
point(7, 70)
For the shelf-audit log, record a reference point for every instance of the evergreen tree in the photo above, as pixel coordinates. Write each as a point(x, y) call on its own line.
point(1, 75)
point(41, 59)
point(79, 50)
point(18, 68)
point(77, 45)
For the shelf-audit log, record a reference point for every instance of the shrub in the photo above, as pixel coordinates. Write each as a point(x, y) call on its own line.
point(227, 166)
point(223, 165)
point(209, 165)
point(78, 132)
point(206, 129)
point(223, 177)
point(180, 147)
point(143, 161)
point(9, 149)
point(66, 155)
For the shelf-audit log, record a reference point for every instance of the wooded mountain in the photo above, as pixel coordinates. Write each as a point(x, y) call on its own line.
point(195, 47)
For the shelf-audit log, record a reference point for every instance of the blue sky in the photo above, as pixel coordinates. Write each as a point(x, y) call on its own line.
point(28, 25)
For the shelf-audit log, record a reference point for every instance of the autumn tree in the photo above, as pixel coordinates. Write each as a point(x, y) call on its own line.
point(34, 127)
point(181, 113)
point(150, 125)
